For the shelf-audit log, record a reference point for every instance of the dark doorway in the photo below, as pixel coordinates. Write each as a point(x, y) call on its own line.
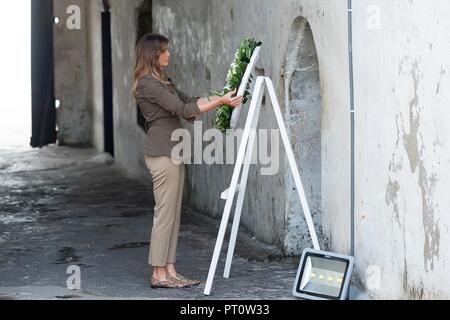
point(107, 84)
point(43, 126)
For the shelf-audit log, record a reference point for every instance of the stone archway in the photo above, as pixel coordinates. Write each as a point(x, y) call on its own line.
point(303, 105)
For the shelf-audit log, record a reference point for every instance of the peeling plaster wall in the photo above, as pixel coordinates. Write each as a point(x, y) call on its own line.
point(402, 138)
point(70, 61)
point(403, 148)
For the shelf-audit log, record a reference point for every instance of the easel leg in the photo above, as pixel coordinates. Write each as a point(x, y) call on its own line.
point(224, 222)
point(233, 185)
point(243, 185)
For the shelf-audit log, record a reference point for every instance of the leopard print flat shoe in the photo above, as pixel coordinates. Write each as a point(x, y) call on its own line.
point(185, 281)
point(169, 282)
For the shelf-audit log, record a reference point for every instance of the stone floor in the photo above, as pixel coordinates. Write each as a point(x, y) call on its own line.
point(62, 206)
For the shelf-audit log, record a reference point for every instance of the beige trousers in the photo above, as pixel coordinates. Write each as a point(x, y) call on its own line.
point(168, 179)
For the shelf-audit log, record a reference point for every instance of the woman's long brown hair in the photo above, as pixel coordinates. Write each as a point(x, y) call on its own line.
point(148, 49)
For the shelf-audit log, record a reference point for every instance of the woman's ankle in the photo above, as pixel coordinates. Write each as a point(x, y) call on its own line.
point(159, 273)
point(170, 270)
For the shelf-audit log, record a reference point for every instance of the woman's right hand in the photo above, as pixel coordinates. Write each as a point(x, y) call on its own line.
point(232, 101)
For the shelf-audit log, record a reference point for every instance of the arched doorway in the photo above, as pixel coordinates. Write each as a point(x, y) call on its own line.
point(303, 104)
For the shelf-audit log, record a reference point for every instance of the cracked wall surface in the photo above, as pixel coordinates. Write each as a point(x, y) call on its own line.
point(402, 147)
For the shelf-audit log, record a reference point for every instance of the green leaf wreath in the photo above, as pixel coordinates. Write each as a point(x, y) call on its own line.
point(234, 78)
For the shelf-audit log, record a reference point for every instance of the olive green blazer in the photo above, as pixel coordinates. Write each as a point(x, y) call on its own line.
point(162, 108)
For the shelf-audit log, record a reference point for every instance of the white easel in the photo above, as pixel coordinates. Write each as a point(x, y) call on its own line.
point(245, 152)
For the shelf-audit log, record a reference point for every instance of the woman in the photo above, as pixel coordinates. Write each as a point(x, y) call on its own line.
point(162, 104)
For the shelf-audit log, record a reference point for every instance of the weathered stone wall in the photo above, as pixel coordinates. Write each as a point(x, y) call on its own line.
point(95, 76)
point(70, 61)
point(402, 71)
point(402, 139)
point(203, 44)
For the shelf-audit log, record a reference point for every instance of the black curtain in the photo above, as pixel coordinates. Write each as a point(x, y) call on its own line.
point(42, 76)
point(107, 83)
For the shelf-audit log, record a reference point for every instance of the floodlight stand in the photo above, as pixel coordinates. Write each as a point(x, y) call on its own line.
point(244, 153)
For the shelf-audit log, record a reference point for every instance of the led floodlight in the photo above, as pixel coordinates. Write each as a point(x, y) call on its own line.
point(323, 275)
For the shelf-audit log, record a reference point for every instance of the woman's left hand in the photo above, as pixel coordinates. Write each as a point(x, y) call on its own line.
point(234, 102)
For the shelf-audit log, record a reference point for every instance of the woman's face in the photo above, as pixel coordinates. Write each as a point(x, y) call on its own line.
point(164, 58)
